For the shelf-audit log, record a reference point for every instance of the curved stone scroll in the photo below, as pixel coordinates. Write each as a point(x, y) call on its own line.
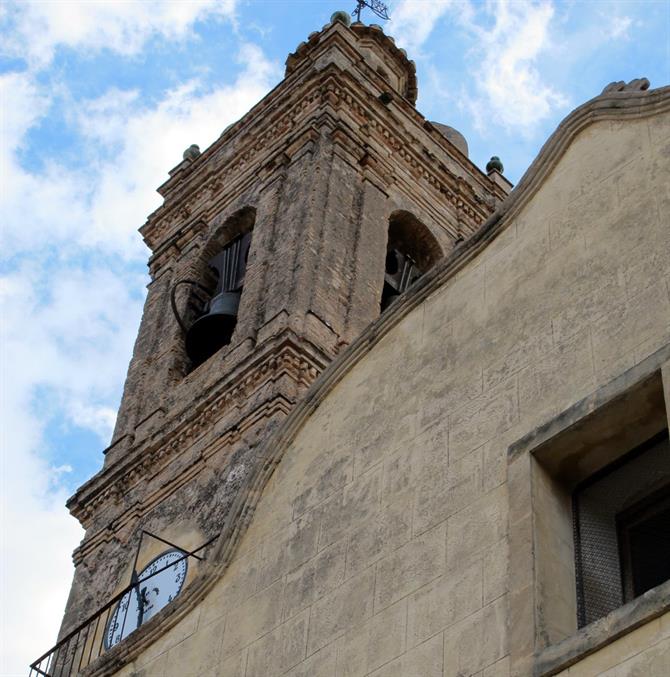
point(637, 85)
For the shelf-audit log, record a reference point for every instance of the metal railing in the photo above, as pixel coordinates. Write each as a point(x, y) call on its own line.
point(87, 641)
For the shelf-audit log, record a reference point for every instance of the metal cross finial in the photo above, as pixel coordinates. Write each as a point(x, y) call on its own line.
point(378, 7)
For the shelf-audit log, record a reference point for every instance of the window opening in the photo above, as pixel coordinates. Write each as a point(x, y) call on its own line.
point(217, 303)
point(644, 544)
point(411, 251)
point(621, 521)
point(401, 271)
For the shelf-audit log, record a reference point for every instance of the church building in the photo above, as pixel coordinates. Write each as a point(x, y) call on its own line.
point(386, 415)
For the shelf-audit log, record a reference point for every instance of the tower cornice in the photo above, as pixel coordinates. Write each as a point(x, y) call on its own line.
point(337, 36)
point(144, 458)
point(232, 164)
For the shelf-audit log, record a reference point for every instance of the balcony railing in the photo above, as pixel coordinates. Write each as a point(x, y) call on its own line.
point(89, 640)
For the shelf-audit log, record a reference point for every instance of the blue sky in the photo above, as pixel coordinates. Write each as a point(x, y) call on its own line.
point(98, 101)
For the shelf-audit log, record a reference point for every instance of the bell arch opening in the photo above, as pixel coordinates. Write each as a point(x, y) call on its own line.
point(215, 286)
point(411, 251)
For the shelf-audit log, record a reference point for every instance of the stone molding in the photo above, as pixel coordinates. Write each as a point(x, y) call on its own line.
point(148, 458)
point(455, 189)
point(211, 177)
point(617, 106)
point(604, 631)
point(166, 226)
point(126, 522)
point(535, 440)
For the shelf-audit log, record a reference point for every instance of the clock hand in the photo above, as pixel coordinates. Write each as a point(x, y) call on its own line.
point(144, 602)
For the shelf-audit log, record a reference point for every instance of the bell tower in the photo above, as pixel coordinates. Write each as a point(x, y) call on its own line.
point(274, 248)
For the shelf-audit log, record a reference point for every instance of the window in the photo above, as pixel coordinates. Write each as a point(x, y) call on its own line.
point(644, 543)
point(214, 325)
point(207, 314)
point(621, 520)
point(400, 271)
point(590, 521)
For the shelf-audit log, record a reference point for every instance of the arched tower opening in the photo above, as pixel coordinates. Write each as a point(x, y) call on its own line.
point(210, 314)
point(411, 251)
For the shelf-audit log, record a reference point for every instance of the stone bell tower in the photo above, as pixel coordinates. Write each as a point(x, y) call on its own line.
point(273, 249)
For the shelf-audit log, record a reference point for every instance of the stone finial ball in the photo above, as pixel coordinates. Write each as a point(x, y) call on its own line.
point(342, 17)
point(192, 152)
point(494, 163)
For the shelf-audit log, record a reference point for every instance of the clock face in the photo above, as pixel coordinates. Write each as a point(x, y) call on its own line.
point(158, 584)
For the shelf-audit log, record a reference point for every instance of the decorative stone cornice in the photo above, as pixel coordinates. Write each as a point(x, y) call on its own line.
point(195, 186)
point(337, 90)
point(456, 190)
point(177, 435)
point(618, 106)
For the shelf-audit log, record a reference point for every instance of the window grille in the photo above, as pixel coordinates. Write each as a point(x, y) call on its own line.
point(621, 520)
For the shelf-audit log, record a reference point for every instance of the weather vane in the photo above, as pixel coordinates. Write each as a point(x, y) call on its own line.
point(379, 8)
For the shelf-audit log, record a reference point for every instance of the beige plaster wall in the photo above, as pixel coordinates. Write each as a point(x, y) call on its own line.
point(380, 544)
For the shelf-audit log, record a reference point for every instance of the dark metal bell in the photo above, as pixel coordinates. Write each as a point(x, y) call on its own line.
point(214, 329)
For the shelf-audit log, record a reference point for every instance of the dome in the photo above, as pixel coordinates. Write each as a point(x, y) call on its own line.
point(452, 135)
point(377, 48)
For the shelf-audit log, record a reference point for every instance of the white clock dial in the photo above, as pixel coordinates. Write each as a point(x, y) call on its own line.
point(159, 589)
point(158, 584)
point(124, 619)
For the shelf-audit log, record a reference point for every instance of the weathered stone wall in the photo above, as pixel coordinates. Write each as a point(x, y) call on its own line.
point(380, 546)
point(317, 169)
point(317, 158)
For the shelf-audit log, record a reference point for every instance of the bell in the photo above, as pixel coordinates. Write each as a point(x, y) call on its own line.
point(399, 274)
point(214, 329)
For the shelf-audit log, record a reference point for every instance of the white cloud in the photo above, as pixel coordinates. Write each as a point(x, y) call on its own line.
point(22, 104)
point(70, 300)
point(151, 141)
point(39, 28)
point(413, 21)
point(38, 535)
point(505, 87)
point(103, 203)
point(35, 552)
point(511, 92)
point(619, 27)
point(98, 418)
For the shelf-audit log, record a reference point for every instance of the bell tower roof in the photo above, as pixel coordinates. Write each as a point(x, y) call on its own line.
point(339, 43)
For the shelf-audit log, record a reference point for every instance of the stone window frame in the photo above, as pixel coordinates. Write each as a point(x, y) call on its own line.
point(543, 468)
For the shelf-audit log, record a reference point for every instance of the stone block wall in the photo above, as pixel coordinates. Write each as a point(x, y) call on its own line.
point(380, 546)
